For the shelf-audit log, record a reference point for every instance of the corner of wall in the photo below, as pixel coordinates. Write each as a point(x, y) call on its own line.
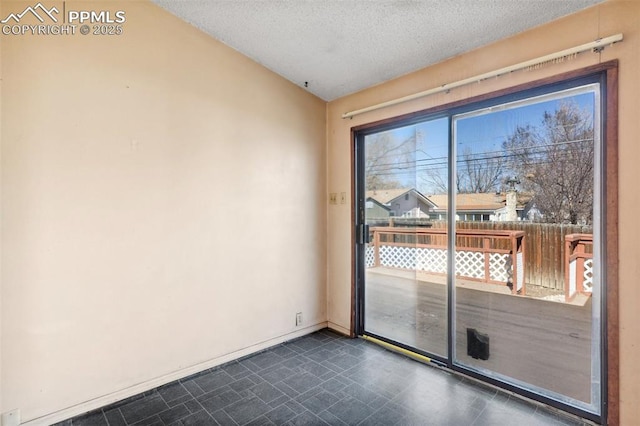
point(326, 213)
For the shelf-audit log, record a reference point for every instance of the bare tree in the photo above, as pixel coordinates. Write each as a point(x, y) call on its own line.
point(434, 180)
point(556, 163)
point(479, 173)
point(386, 158)
point(475, 173)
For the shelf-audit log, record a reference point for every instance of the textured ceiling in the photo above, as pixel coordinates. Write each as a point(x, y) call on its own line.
point(342, 46)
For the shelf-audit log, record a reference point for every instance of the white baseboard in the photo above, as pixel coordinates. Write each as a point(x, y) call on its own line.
point(105, 400)
point(338, 328)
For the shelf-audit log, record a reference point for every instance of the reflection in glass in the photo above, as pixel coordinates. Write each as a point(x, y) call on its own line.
point(406, 259)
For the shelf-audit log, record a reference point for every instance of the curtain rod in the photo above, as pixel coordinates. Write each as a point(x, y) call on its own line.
point(596, 46)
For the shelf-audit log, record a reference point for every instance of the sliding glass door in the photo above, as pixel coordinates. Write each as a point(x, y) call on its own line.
point(405, 291)
point(527, 284)
point(480, 240)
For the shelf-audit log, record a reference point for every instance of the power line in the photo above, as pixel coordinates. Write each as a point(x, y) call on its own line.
point(443, 160)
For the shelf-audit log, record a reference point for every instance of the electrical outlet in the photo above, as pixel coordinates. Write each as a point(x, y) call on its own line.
point(10, 418)
point(343, 198)
point(333, 198)
point(298, 319)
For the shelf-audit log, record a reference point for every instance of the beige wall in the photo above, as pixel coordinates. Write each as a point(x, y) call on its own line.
point(163, 205)
point(608, 19)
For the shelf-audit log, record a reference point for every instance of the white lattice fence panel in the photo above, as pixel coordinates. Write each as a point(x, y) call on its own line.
point(431, 260)
point(520, 281)
point(572, 278)
point(414, 258)
point(500, 267)
point(369, 256)
point(398, 257)
point(470, 264)
point(588, 275)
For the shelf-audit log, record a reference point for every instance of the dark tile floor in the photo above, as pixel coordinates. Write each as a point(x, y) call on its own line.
point(322, 379)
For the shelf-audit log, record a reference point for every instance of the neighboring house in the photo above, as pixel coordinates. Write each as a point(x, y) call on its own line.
point(482, 207)
point(376, 210)
point(405, 202)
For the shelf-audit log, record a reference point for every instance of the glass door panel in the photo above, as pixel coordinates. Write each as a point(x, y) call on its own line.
point(405, 290)
point(527, 281)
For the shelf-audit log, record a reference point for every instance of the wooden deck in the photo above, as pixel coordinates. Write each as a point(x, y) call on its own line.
point(544, 343)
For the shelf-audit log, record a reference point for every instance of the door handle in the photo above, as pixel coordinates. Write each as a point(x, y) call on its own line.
point(362, 236)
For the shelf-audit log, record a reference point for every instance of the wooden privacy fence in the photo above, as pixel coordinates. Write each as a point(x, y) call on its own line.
point(496, 257)
point(544, 245)
point(579, 261)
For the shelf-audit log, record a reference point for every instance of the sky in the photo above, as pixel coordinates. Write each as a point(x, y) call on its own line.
point(482, 132)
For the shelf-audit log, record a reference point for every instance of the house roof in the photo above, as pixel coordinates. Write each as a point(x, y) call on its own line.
point(483, 201)
point(386, 196)
point(373, 200)
point(488, 201)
